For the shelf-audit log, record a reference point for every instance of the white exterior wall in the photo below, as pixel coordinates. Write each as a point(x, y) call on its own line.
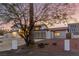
point(48, 34)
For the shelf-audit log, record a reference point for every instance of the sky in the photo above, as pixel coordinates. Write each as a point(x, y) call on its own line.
point(76, 16)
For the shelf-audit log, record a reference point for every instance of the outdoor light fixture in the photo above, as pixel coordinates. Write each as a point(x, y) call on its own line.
point(57, 34)
point(14, 34)
point(37, 28)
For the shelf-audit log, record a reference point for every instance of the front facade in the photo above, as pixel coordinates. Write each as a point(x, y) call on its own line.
point(52, 33)
point(58, 33)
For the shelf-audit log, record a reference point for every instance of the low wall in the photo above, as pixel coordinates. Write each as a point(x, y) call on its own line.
point(59, 47)
point(6, 43)
point(53, 46)
point(74, 45)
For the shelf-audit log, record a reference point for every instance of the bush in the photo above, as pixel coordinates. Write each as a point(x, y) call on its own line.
point(68, 35)
point(2, 32)
point(54, 44)
point(41, 45)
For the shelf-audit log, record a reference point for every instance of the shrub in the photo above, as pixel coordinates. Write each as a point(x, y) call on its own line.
point(68, 35)
point(2, 32)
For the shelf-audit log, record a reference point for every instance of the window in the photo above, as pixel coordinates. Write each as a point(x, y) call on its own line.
point(39, 34)
point(76, 33)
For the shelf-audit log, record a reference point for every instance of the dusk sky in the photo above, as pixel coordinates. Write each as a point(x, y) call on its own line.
point(76, 16)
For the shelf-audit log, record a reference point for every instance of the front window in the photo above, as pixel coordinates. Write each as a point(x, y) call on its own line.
point(39, 34)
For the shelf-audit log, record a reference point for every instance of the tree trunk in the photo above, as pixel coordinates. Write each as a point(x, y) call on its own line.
point(31, 27)
point(27, 40)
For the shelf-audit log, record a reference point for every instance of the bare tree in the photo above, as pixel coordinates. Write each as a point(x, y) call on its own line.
point(25, 16)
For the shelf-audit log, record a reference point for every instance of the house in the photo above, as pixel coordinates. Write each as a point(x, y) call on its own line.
point(57, 33)
point(58, 36)
point(51, 33)
point(74, 30)
point(41, 32)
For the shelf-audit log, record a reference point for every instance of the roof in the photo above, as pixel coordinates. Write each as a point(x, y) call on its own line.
point(53, 29)
point(59, 29)
point(73, 23)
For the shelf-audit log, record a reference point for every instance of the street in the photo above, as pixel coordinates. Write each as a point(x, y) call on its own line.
point(34, 52)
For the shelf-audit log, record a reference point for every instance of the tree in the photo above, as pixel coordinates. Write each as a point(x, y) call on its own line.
point(25, 16)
